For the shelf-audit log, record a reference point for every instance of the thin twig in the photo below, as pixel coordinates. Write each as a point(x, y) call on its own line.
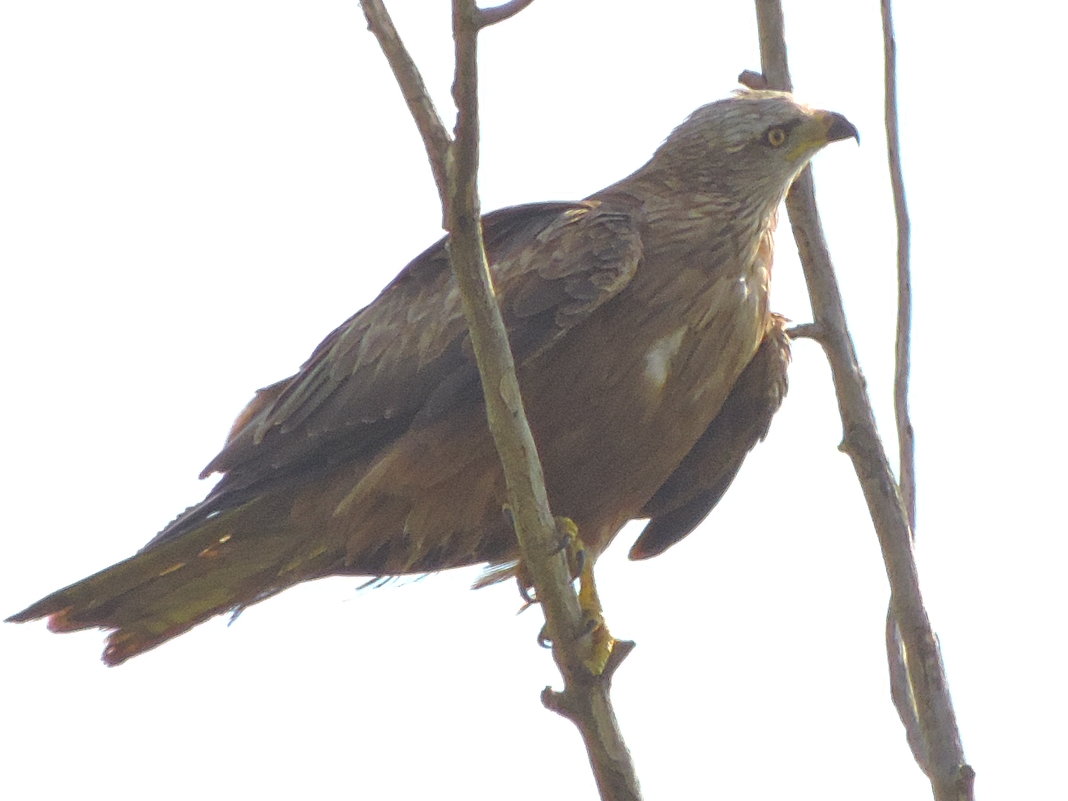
point(495, 14)
point(902, 346)
point(804, 331)
point(942, 757)
point(431, 128)
point(752, 80)
point(901, 690)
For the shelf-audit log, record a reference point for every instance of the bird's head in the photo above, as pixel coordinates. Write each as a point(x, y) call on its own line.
point(751, 145)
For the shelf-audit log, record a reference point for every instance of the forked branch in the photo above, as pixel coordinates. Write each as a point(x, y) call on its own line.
point(902, 346)
point(495, 14)
point(935, 739)
point(585, 697)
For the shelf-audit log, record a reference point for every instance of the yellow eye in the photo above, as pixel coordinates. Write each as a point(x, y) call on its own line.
point(775, 137)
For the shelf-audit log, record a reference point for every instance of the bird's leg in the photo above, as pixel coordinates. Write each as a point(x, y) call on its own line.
point(581, 567)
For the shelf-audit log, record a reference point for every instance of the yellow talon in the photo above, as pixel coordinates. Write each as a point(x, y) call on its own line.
point(601, 640)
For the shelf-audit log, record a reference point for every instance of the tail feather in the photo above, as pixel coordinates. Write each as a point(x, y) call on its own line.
point(225, 564)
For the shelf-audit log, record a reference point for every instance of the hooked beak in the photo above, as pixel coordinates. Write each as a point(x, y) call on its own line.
point(836, 127)
point(819, 130)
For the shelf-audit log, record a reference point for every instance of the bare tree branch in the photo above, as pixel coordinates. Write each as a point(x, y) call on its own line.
point(804, 331)
point(901, 690)
point(940, 753)
point(901, 684)
point(753, 80)
point(495, 14)
point(585, 697)
point(902, 345)
point(431, 128)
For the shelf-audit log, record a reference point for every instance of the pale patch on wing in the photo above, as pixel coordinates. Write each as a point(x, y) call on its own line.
point(658, 357)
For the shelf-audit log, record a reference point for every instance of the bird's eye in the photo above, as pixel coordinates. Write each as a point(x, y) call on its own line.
point(775, 136)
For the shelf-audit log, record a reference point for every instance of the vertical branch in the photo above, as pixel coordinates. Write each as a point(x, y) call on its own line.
point(901, 689)
point(936, 740)
point(504, 406)
point(902, 344)
point(585, 698)
point(771, 28)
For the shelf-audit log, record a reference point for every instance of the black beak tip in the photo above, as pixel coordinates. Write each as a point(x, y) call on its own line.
point(841, 128)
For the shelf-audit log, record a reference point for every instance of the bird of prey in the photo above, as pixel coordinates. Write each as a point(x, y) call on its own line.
point(648, 360)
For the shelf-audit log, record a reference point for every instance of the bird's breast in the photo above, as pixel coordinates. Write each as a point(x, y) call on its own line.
point(704, 328)
point(620, 404)
point(659, 358)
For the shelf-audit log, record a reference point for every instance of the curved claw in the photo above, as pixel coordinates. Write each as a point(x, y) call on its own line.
point(591, 623)
point(579, 557)
point(601, 642)
point(524, 593)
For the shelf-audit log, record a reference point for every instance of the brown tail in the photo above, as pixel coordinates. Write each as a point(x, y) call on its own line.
point(171, 586)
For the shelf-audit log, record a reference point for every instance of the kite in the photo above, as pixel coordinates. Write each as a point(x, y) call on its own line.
point(649, 362)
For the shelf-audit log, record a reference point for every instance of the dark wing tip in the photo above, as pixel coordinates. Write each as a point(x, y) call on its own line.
point(667, 528)
point(44, 608)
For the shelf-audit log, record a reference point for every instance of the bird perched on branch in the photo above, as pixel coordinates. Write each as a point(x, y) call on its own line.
point(647, 356)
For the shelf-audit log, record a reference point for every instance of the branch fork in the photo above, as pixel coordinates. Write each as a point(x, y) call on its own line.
point(454, 163)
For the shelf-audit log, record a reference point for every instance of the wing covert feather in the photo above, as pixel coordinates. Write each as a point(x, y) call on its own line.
point(406, 358)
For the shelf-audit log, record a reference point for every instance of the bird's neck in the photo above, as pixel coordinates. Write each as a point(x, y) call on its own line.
point(680, 219)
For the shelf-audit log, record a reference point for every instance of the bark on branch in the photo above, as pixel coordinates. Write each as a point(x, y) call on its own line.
point(935, 739)
point(585, 698)
point(902, 346)
point(432, 130)
point(495, 14)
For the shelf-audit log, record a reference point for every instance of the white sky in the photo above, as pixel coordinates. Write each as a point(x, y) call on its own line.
point(193, 194)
